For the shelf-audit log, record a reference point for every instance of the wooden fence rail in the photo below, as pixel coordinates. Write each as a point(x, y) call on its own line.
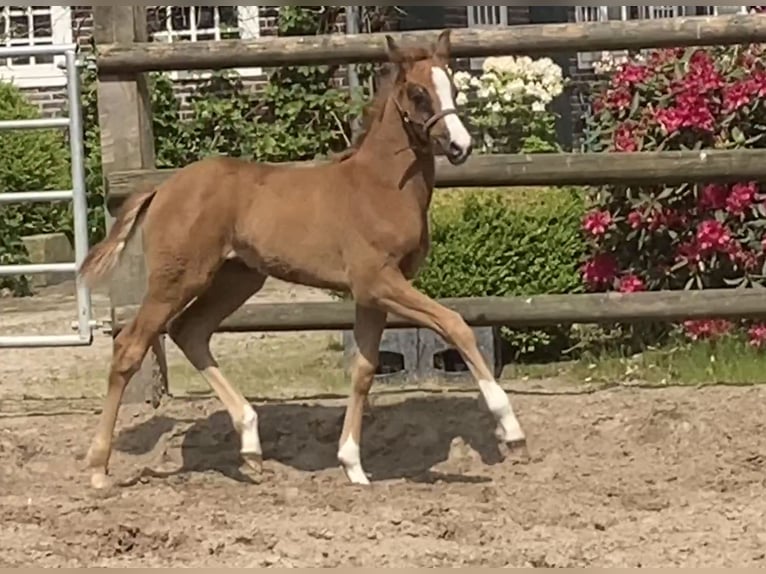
point(497, 170)
point(345, 49)
point(127, 148)
point(537, 311)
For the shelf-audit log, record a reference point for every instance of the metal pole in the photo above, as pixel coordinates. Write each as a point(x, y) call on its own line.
point(39, 50)
point(79, 195)
point(42, 341)
point(37, 124)
point(35, 196)
point(36, 269)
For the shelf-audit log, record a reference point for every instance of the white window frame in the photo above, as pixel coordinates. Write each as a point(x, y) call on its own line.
point(249, 23)
point(586, 60)
point(477, 22)
point(42, 76)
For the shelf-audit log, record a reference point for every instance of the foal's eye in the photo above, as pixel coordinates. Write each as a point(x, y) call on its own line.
point(418, 94)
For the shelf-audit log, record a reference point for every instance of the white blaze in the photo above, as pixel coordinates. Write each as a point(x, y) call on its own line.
point(457, 132)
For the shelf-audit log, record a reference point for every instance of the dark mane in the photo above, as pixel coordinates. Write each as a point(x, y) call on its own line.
point(384, 82)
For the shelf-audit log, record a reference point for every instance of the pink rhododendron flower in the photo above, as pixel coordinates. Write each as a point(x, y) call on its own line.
point(600, 271)
point(670, 119)
point(619, 99)
point(739, 95)
point(707, 330)
point(758, 83)
point(713, 197)
point(685, 97)
point(741, 198)
point(757, 335)
point(689, 252)
point(597, 223)
point(740, 256)
point(703, 77)
point(630, 74)
point(671, 218)
point(712, 236)
point(632, 284)
point(664, 218)
point(625, 138)
point(636, 220)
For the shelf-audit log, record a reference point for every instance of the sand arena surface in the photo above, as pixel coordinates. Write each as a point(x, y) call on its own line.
point(617, 478)
point(625, 477)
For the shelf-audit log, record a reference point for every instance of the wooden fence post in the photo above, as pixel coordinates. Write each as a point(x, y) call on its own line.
point(127, 142)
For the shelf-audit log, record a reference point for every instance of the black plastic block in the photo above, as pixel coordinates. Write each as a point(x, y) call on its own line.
point(438, 360)
point(398, 355)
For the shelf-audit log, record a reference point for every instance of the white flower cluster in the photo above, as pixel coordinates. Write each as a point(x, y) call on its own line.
point(508, 79)
point(611, 62)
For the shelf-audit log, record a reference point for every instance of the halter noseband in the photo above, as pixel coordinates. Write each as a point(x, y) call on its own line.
point(429, 123)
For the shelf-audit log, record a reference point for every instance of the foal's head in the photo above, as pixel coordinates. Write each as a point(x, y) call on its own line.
point(425, 95)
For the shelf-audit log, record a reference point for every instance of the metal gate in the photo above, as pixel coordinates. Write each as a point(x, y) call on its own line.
point(77, 195)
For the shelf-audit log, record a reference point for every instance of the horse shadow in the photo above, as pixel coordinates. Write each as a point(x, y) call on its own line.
point(405, 440)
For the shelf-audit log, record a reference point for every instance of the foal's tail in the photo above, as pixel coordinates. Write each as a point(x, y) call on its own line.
point(104, 256)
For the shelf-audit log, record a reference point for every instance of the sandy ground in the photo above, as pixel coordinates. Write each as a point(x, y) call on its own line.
point(256, 361)
point(624, 477)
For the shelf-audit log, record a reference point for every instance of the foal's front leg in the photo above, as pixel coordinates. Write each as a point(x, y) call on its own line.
point(368, 330)
point(397, 296)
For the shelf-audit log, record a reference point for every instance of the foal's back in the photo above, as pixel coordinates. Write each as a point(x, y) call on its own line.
point(298, 224)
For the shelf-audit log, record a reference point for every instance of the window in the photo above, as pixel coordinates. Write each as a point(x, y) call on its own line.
point(586, 60)
point(486, 17)
point(203, 23)
point(725, 10)
point(33, 26)
point(482, 16)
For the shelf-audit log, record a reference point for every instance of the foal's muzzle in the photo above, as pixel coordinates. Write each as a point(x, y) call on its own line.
point(458, 155)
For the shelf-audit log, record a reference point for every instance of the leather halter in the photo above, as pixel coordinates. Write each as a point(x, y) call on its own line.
point(429, 123)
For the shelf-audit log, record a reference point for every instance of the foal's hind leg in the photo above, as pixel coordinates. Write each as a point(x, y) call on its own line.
point(394, 294)
point(163, 300)
point(233, 284)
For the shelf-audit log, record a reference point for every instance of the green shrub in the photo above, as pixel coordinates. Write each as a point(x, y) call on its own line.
point(29, 161)
point(484, 245)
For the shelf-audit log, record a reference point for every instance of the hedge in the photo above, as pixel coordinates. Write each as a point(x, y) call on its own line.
point(507, 243)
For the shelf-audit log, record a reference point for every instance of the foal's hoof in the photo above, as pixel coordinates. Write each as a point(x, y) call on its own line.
point(101, 482)
point(254, 461)
point(515, 451)
point(356, 475)
point(252, 467)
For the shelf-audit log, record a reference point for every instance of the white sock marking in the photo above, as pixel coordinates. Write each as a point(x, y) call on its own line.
point(509, 429)
point(251, 441)
point(457, 132)
point(349, 457)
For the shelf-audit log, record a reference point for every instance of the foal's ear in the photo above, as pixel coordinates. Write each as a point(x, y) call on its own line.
point(393, 50)
point(443, 46)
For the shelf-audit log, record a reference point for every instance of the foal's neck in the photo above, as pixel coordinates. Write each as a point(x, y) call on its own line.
point(388, 147)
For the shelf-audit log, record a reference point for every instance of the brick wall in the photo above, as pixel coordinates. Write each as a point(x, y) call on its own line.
point(53, 101)
point(581, 81)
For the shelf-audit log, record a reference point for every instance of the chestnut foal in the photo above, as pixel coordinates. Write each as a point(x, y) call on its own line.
point(216, 229)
